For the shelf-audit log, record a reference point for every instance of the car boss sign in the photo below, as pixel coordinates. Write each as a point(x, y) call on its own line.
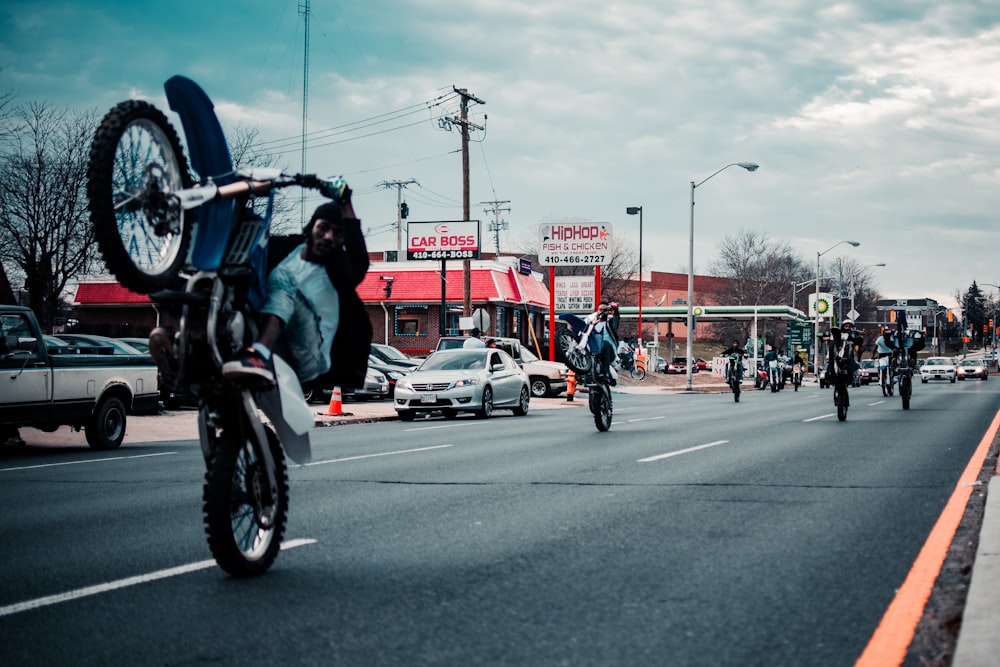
point(575, 244)
point(458, 239)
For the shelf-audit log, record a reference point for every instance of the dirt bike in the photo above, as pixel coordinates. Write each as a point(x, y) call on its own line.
point(774, 375)
point(887, 374)
point(580, 347)
point(199, 250)
point(636, 366)
point(904, 355)
point(733, 368)
point(841, 353)
point(797, 375)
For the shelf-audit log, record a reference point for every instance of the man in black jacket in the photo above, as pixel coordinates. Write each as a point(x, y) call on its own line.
point(313, 317)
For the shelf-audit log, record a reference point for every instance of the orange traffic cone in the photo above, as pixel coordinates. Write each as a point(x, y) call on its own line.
point(336, 403)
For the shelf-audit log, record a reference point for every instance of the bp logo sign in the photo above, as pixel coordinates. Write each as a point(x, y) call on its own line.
point(820, 304)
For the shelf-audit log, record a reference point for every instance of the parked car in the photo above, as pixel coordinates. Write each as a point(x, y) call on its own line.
point(474, 380)
point(56, 345)
point(391, 371)
point(94, 344)
point(391, 355)
point(701, 363)
point(376, 387)
point(679, 365)
point(548, 378)
point(938, 368)
point(141, 344)
point(973, 368)
point(868, 373)
point(661, 365)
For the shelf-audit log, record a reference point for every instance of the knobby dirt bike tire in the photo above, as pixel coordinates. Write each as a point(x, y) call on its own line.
point(580, 361)
point(243, 535)
point(841, 401)
point(735, 385)
point(638, 373)
point(134, 141)
point(602, 407)
point(905, 391)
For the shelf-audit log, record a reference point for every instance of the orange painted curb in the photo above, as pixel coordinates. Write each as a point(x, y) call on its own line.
point(894, 633)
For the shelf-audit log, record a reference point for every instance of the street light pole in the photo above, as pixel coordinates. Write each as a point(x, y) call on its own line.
point(749, 166)
point(816, 306)
point(632, 210)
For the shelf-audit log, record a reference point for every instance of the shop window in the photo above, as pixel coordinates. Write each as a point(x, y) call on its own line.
point(410, 320)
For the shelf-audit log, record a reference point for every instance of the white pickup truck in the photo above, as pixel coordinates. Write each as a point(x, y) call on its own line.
point(93, 392)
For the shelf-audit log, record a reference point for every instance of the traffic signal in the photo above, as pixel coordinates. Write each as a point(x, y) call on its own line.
point(404, 210)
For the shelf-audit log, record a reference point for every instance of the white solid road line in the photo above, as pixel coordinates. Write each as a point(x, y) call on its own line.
point(814, 419)
point(75, 463)
point(372, 456)
point(683, 451)
point(124, 583)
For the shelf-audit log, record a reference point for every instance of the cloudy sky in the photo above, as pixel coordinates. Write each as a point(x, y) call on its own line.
point(877, 122)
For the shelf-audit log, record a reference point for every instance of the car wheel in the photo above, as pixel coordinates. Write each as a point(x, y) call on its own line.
point(953, 380)
point(923, 381)
point(539, 387)
point(522, 403)
point(406, 415)
point(487, 410)
point(448, 413)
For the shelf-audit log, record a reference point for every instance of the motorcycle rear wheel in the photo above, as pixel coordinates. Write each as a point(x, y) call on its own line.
point(840, 400)
point(905, 390)
point(136, 160)
point(601, 406)
point(246, 505)
point(580, 361)
point(735, 384)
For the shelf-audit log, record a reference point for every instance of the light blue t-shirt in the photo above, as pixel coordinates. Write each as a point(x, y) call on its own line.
point(299, 292)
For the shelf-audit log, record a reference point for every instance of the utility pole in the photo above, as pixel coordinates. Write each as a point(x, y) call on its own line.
point(463, 122)
point(306, 12)
point(496, 226)
point(399, 185)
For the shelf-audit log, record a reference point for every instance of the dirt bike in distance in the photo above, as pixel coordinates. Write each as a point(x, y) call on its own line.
point(841, 352)
point(579, 347)
point(797, 375)
point(200, 251)
point(733, 367)
point(887, 375)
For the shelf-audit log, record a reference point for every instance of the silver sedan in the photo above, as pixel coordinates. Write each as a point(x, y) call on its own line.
point(476, 380)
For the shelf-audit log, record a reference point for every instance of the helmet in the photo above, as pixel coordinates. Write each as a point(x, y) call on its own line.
point(847, 321)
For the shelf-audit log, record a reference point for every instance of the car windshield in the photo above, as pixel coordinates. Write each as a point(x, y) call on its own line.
point(939, 361)
point(472, 360)
point(391, 352)
point(528, 355)
point(972, 362)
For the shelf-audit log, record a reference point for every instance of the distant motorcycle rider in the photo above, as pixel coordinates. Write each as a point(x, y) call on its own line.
point(731, 350)
point(606, 334)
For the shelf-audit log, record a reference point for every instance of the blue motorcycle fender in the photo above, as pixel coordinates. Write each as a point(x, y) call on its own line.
point(210, 157)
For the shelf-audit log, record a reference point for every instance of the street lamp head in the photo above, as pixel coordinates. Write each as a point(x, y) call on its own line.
point(633, 210)
point(855, 243)
point(749, 166)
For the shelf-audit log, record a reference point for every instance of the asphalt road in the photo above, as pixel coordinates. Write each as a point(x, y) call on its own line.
point(696, 532)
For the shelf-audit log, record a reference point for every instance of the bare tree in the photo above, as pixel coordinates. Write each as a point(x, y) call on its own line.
point(245, 148)
point(761, 271)
point(45, 233)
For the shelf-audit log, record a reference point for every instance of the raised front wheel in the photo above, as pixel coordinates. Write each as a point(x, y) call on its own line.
point(136, 162)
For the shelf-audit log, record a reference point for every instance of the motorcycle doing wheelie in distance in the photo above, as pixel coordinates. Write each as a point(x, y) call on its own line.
point(579, 343)
point(842, 366)
point(905, 345)
point(199, 249)
point(734, 374)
